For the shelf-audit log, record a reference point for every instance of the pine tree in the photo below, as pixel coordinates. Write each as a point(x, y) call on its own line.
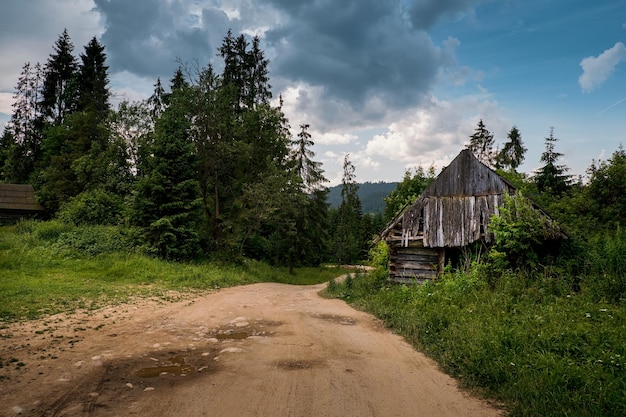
point(512, 154)
point(481, 144)
point(60, 93)
point(551, 177)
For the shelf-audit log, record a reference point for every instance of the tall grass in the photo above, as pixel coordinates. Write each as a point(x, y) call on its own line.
point(529, 343)
point(50, 267)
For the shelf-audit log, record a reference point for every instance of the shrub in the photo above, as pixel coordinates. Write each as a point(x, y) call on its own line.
point(91, 208)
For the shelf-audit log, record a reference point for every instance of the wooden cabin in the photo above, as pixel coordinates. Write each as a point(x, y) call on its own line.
point(18, 201)
point(452, 213)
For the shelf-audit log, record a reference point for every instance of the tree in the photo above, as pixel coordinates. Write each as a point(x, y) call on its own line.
point(24, 130)
point(551, 177)
point(481, 144)
point(412, 186)
point(60, 84)
point(512, 154)
point(310, 171)
point(607, 189)
point(348, 242)
point(167, 204)
point(93, 80)
point(157, 102)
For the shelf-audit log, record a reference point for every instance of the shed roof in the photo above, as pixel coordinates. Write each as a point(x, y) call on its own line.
point(19, 197)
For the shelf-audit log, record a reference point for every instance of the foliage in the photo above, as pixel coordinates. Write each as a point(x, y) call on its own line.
point(348, 239)
point(512, 154)
point(551, 178)
point(607, 189)
point(412, 186)
point(604, 269)
point(52, 267)
point(167, 204)
point(95, 207)
point(529, 344)
point(519, 231)
point(481, 144)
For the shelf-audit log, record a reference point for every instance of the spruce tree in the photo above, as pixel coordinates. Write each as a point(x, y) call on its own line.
point(551, 177)
point(481, 144)
point(93, 80)
point(347, 245)
point(167, 204)
point(60, 89)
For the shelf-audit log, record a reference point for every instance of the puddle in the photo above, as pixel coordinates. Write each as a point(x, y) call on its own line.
point(346, 321)
point(298, 364)
point(232, 336)
point(177, 366)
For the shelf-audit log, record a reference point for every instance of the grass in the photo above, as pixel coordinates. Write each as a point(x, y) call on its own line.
point(527, 344)
point(48, 268)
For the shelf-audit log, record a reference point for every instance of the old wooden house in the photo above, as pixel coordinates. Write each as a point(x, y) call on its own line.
point(452, 213)
point(18, 201)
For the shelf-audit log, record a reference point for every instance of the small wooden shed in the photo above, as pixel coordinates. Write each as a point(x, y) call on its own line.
point(452, 212)
point(18, 201)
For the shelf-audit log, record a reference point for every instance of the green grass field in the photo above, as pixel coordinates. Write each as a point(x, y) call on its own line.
point(49, 267)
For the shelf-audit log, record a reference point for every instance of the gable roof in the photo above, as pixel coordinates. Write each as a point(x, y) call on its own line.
point(18, 197)
point(467, 176)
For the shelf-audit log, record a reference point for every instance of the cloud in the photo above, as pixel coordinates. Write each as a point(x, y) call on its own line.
point(598, 69)
point(29, 29)
point(355, 51)
point(436, 131)
point(425, 13)
point(147, 37)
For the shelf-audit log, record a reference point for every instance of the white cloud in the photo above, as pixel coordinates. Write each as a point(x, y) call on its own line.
point(436, 131)
point(598, 69)
point(6, 101)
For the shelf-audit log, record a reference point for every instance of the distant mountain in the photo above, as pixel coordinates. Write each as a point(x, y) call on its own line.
point(371, 195)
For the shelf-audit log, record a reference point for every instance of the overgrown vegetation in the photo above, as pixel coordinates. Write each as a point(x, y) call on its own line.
point(52, 267)
point(533, 341)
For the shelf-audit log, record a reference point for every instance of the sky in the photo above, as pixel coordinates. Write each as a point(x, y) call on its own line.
point(396, 84)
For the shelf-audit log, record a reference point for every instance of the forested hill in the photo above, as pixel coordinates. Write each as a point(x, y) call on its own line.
point(371, 195)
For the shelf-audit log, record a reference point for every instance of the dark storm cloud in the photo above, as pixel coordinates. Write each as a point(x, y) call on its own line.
point(360, 50)
point(356, 52)
point(148, 37)
point(356, 49)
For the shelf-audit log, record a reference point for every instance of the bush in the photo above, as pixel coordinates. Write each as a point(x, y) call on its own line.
point(605, 267)
point(97, 240)
point(92, 208)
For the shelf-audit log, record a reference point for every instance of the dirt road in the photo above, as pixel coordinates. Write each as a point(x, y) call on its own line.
point(258, 350)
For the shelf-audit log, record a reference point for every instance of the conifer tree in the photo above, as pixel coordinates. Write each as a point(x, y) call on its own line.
point(60, 87)
point(551, 177)
point(481, 144)
point(93, 80)
point(347, 240)
point(167, 204)
point(24, 130)
point(512, 154)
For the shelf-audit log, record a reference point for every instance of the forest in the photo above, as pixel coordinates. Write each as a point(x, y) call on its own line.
point(206, 167)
